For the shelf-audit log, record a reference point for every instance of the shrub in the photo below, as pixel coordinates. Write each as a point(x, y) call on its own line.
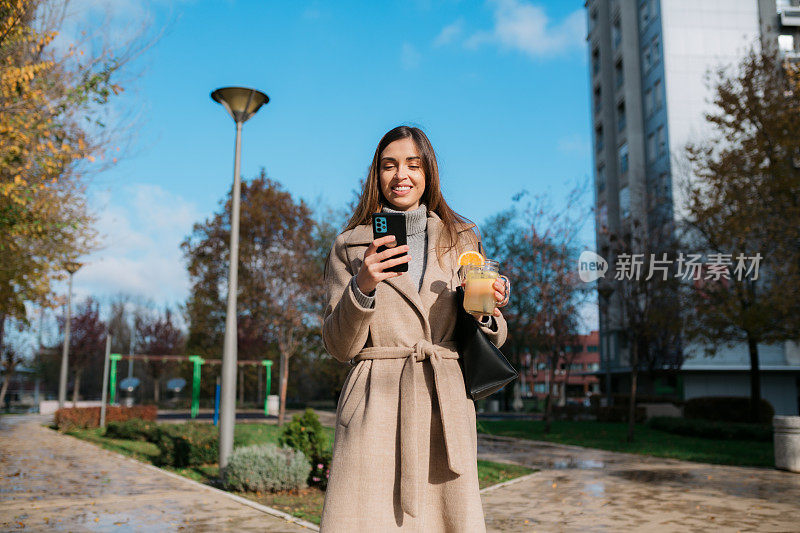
point(69, 418)
point(321, 471)
point(305, 433)
point(619, 413)
point(266, 468)
point(189, 444)
point(134, 429)
point(711, 430)
point(726, 409)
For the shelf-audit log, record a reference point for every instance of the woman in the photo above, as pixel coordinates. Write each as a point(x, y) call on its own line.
point(405, 447)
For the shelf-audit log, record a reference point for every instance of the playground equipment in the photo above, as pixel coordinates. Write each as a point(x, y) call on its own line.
point(129, 385)
point(197, 362)
point(175, 386)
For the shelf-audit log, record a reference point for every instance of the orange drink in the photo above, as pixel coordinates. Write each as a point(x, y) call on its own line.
point(478, 287)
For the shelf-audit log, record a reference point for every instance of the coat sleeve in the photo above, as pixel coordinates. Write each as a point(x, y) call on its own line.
point(496, 330)
point(345, 323)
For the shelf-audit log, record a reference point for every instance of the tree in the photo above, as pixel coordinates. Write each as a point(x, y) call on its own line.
point(157, 334)
point(10, 361)
point(278, 277)
point(743, 198)
point(646, 292)
point(86, 342)
point(536, 247)
point(52, 130)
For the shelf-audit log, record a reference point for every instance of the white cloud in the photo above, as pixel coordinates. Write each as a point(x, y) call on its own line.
point(449, 33)
point(409, 56)
point(141, 228)
point(525, 27)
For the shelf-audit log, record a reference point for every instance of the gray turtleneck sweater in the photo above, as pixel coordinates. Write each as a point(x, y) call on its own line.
point(417, 240)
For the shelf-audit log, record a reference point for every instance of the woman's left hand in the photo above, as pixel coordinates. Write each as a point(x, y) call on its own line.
point(499, 295)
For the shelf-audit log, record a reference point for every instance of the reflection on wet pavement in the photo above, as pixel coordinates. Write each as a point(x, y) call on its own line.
point(50, 482)
point(582, 489)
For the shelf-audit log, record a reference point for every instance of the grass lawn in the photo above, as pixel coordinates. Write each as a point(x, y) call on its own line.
point(305, 503)
point(647, 441)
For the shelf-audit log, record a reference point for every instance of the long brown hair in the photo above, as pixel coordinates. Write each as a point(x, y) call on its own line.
point(372, 199)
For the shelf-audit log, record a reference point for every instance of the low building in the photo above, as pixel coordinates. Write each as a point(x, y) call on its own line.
point(574, 379)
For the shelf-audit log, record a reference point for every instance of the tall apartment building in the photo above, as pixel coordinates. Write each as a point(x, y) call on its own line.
point(647, 61)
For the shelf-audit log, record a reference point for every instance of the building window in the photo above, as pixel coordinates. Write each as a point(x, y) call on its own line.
point(662, 141)
point(598, 136)
point(601, 178)
point(616, 33)
point(621, 121)
point(623, 158)
point(663, 185)
point(624, 202)
point(647, 59)
point(651, 147)
point(602, 219)
point(592, 19)
point(786, 43)
point(644, 13)
point(595, 61)
point(648, 102)
point(656, 48)
point(619, 76)
point(658, 95)
point(598, 104)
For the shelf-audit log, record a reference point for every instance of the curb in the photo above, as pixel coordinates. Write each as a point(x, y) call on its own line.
point(509, 482)
point(250, 503)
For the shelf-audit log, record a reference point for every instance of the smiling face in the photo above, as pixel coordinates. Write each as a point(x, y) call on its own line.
point(402, 178)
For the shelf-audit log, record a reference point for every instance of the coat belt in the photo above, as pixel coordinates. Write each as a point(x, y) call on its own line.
point(454, 419)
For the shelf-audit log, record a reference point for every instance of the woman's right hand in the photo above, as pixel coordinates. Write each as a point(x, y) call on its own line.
point(373, 267)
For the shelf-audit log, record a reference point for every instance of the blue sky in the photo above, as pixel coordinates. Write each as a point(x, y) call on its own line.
point(500, 87)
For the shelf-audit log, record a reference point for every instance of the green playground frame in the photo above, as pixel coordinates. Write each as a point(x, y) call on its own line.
point(197, 361)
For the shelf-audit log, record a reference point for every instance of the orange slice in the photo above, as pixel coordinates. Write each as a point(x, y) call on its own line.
point(470, 257)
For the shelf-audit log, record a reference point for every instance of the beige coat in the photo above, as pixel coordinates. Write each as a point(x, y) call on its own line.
point(405, 447)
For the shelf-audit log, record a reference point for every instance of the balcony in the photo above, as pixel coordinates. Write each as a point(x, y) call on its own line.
point(790, 16)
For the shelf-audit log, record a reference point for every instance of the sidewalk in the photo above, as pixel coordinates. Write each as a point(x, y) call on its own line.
point(582, 489)
point(52, 481)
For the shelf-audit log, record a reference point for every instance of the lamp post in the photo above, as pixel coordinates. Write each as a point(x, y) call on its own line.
point(71, 267)
point(241, 103)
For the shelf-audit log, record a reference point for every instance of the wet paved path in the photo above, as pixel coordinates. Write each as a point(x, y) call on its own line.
point(51, 482)
point(581, 489)
point(54, 482)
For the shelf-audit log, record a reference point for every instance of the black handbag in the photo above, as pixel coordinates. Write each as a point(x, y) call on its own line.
point(486, 370)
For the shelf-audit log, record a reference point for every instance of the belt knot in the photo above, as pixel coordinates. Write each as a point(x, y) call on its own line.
point(423, 350)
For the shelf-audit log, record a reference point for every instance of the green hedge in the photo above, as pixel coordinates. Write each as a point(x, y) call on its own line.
point(134, 429)
point(189, 444)
point(726, 409)
point(709, 429)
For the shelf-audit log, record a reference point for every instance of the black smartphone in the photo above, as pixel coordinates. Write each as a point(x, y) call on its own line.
point(384, 224)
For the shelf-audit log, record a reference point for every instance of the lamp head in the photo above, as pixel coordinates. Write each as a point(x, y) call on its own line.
point(72, 266)
point(240, 102)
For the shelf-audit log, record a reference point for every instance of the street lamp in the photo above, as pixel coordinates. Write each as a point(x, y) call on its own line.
point(71, 267)
point(241, 103)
